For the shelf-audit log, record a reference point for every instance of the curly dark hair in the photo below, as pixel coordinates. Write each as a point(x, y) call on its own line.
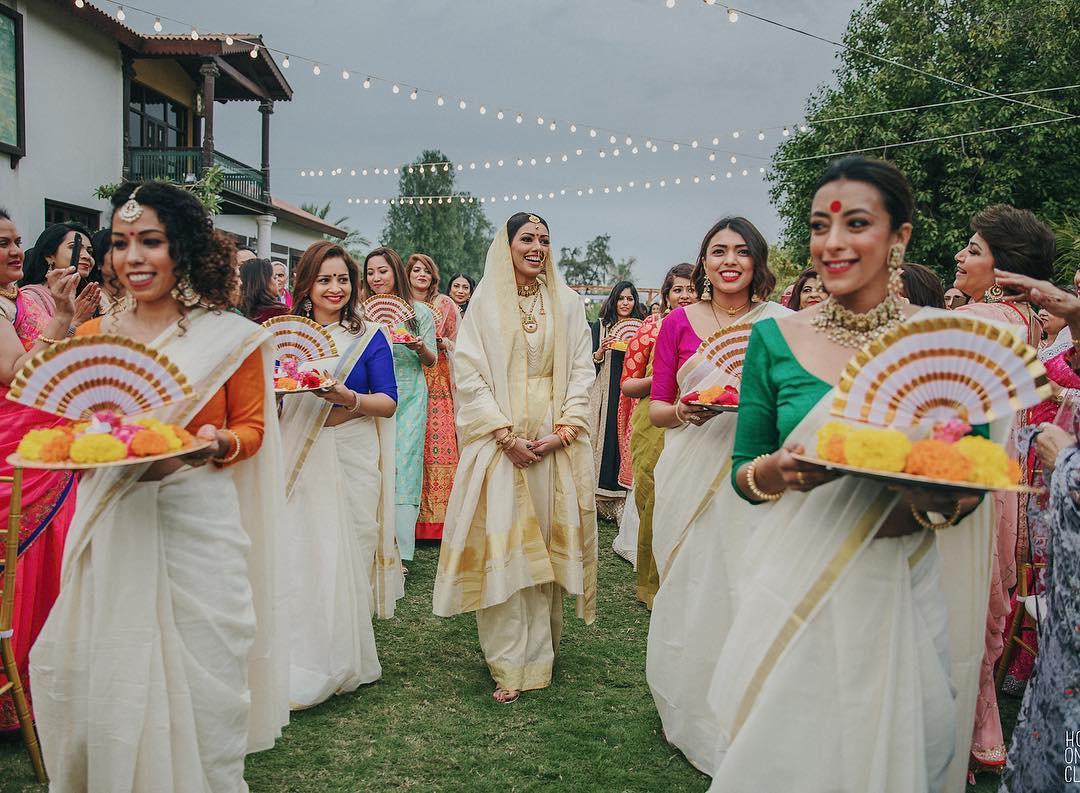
point(764, 280)
point(201, 253)
point(307, 271)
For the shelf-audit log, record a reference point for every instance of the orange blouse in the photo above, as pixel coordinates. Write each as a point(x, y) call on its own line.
point(237, 406)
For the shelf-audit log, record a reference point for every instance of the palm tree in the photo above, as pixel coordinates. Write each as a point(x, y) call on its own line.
point(355, 243)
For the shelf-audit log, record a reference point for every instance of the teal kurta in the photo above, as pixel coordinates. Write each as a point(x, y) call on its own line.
point(411, 424)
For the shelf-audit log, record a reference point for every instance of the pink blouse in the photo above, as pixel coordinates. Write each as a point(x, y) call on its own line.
point(675, 345)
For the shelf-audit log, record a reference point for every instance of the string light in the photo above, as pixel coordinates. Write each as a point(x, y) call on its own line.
point(157, 22)
point(194, 34)
point(413, 94)
point(120, 13)
point(229, 40)
point(396, 88)
point(285, 62)
point(79, 3)
point(462, 104)
point(344, 74)
point(732, 16)
point(254, 52)
point(316, 70)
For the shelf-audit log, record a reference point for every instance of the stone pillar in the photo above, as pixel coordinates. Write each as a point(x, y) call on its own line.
point(262, 246)
point(127, 70)
point(209, 71)
point(266, 107)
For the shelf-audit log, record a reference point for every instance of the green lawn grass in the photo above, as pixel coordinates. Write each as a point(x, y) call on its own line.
point(430, 723)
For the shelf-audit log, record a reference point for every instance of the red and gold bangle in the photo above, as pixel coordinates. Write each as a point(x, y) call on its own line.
point(235, 453)
point(566, 433)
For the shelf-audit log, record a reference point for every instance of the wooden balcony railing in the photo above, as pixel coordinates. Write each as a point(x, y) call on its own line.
point(185, 165)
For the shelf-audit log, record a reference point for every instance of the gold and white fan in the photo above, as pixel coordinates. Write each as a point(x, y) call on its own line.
point(727, 348)
point(389, 310)
point(79, 377)
point(300, 338)
point(625, 329)
point(939, 368)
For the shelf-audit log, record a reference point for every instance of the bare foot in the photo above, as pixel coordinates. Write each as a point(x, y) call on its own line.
point(505, 695)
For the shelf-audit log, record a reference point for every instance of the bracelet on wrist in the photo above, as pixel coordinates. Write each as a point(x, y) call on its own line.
point(755, 491)
point(47, 340)
point(235, 453)
point(926, 523)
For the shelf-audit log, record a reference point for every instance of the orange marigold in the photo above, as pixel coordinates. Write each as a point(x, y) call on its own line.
point(57, 448)
point(938, 460)
point(830, 441)
point(146, 443)
point(186, 438)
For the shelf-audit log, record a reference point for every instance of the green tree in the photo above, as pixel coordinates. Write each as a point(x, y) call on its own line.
point(785, 267)
point(1068, 248)
point(355, 243)
point(455, 233)
point(995, 45)
point(596, 266)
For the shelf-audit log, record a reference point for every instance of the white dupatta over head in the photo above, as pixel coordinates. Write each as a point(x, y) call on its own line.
point(492, 542)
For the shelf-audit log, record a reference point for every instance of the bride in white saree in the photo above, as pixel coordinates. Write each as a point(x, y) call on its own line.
point(163, 661)
point(853, 662)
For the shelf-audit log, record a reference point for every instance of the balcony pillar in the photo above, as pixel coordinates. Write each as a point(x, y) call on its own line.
point(262, 244)
point(266, 107)
point(127, 71)
point(209, 71)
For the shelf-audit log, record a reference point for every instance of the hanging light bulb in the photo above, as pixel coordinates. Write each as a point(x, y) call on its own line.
point(629, 141)
point(229, 40)
point(396, 88)
point(352, 172)
point(603, 154)
point(303, 173)
point(520, 162)
point(483, 110)
point(565, 158)
point(693, 144)
point(446, 167)
point(578, 152)
point(540, 120)
point(732, 16)
point(157, 20)
point(462, 104)
point(592, 133)
point(669, 3)
point(551, 126)
point(733, 160)
point(194, 34)
point(736, 134)
point(440, 101)
point(518, 118)
point(573, 127)
point(316, 70)
point(80, 3)
point(367, 82)
point(120, 13)
point(760, 135)
point(547, 159)
point(285, 62)
point(611, 139)
point(697, 180)
point(634, 150)
point(803, 128)
point(500, 115)
point(413, 94)
point(674, 146)
point(254, 52)
point(712, 156)
point(744, 172)
point(786, 132)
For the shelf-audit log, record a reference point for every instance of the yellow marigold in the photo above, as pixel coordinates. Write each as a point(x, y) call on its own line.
point(57, 448)
point(98, 448)
point(165, 430)
point(939, 460)
point(990, 462)
point(878, 450)
point(146, 443)
point(186, 438)
point(830, 441)
point(34, 441)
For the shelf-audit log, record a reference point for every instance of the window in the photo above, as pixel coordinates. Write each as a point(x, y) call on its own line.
point(12, 111)
point(157, 122)
point(59, 212)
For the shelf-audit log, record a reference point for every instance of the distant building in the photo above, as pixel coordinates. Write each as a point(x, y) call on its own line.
point(97, 102)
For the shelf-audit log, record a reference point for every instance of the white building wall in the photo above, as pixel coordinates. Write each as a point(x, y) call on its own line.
point(74, 119)
point(283, 232)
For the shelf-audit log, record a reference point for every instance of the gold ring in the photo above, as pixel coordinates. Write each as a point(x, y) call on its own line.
point(800, 478)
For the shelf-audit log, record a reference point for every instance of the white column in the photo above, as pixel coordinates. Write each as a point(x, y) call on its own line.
point(262, 246)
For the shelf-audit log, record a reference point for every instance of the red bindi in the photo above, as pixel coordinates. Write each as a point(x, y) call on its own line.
point(835, 206)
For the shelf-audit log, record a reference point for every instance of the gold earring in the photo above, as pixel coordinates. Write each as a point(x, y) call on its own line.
point(896, 262)
point(184, 293)
point(706, 289)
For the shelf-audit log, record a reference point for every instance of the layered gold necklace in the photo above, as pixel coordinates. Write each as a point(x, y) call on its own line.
point(11, 292)
point(849, 329)
point(529, 321)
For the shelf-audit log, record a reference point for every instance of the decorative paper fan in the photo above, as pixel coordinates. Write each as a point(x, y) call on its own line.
point(388, 310)
point(300, 338)
point(940, 368)
point(81, 376)
point(625, 329)
point(727, 348)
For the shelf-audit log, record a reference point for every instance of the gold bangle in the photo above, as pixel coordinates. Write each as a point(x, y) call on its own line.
point(506, 440)
point(236, 452)
point(47, 340)
point(755, 491)
point(355, 403)
point(926, 523)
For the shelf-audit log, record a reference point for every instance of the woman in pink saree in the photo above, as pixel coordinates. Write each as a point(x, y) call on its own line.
point(30, 321)
point(1013, 240)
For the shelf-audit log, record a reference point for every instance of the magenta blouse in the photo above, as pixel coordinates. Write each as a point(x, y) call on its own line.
point(675, 345)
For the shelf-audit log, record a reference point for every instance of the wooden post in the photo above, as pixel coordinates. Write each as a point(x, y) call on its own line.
point(266, 107)
point(127, 70)
point(209, 71)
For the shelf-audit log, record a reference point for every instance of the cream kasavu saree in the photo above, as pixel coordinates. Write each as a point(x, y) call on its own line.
point(853, 662)
point(700, 527)
point(343, 552)
point(493, 543)
point(164, 658)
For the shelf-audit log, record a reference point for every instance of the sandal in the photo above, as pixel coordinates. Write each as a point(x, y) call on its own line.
point(508, 700)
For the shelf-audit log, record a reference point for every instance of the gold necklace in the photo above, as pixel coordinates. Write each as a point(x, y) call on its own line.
point(526, 290)
point(529, 323)
point(11, 292)
point(849, 329)
point(731, 312)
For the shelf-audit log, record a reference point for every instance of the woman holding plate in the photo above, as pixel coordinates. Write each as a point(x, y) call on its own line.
point(521, 525)
point(1015, 241)
point(162, 663)
point(339, 482)
point(384, 274)
point(852, 663)
point(440, 439)
point(647, 441)
point(699, 529)
point(29, 327)
point(608, 354)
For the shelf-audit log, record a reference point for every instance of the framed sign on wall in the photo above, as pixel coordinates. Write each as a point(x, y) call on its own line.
point(12, 99)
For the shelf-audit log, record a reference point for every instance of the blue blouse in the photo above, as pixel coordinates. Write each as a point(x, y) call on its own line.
point(374, 372)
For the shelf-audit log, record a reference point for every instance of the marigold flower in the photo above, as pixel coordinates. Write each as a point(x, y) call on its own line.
point(146, 443)
point(990, 461)
point(57, 448)
point(938, 460)
point(32, 443)
point(168, 431)
point(98, 448)
point(877, 449)
point(830, 441)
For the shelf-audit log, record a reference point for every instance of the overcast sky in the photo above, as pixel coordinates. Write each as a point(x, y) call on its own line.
point(634, 66)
